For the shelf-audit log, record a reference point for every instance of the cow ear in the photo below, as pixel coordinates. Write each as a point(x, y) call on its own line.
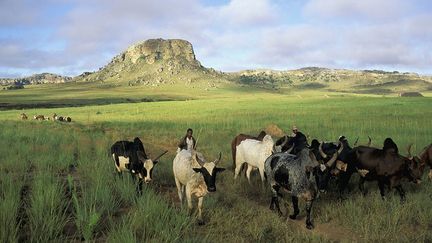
point(197, 170)
point(155, 162)
point(219, 169)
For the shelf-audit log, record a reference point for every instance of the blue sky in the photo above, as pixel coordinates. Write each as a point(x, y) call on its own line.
point(70, 37)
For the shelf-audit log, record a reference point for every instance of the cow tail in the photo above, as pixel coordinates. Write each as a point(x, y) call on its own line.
point(233, 151)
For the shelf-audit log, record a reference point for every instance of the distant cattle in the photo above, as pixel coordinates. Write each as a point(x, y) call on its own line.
point(68, 119)
point(39, 117)
point(131, 157)
point(23, 116)
point(297, 175)
point(195, 177)
point(254, 153)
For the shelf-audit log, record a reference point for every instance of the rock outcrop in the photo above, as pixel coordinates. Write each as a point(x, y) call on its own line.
point(42, 78)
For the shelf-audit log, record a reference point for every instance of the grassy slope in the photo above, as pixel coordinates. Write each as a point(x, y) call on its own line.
point(91, 93)
point(237, 212)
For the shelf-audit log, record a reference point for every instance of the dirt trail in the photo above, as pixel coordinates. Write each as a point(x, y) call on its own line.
point(330, 230)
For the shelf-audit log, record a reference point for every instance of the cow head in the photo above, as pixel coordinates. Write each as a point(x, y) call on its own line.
point(145, 171)
point(323, 171)
point(280, 143)
point(414, 164)
point(208, 170)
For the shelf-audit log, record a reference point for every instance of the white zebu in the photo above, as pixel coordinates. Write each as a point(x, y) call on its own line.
point(254, 153)
point(194, 176)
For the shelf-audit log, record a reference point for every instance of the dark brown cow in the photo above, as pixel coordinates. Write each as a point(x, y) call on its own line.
point(24, 116)
point(238, 139)
point(426, 159)
point(387, 168)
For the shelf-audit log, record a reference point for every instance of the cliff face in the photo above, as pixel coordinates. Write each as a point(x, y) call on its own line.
point(153, 50)
point(43, 78)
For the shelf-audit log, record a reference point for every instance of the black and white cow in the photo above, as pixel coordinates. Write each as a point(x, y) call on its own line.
point(131, 156)
point(295, 174)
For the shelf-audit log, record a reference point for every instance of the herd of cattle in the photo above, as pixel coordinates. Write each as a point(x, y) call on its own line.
point(54, 117)
point(291, 163)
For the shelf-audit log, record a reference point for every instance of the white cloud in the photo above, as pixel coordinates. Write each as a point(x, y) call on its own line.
point(355, 9)
point(229, 36)
point(248, 12)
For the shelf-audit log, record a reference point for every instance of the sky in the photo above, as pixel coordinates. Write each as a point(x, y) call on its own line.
point(69, 37)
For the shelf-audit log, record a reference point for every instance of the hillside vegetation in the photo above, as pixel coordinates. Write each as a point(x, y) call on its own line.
point(159, 69)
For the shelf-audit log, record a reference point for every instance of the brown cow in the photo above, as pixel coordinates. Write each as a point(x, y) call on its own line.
point(24, 116)
point(387, 168)
point(426, 159)
point(238, 139)
point(39, 117)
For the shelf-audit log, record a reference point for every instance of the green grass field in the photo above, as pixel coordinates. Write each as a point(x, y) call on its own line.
point(58, 181)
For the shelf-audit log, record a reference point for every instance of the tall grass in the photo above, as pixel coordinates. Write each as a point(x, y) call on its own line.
point(47, 211)
point(10, 186)
point(105, 205)
point(153, 220)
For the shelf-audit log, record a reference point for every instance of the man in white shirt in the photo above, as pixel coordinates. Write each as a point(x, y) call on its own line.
point(188, 142)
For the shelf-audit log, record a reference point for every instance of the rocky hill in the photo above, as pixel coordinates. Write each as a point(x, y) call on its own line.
point(42, 78)
point(172, 62)
point(362, 81)
point(155, 62)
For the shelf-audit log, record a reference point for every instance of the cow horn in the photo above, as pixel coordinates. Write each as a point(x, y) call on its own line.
point(285, 141)
point(218, 159)
point(313, 158)
point(197, 159)
point(409, 151)
point(340, 149)
point(369, 141)
point(324, 155)
point(290, 149)
point(356, 141)
point(332, 160)
point(166, 151)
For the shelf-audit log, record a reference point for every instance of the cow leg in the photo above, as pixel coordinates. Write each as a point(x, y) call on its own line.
point(309, 224)
point(430, 174)
point(139, 186)
point(117, 164)
point(200, 204)
point(261, 171)
point(237, 170)
point(294, 200)
point(343, 182)
point(401, 192)
point(248, 172)
point(180, 188)
point(361, 186)
point(189, 199)
point(381, 186)
point(275, 200)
